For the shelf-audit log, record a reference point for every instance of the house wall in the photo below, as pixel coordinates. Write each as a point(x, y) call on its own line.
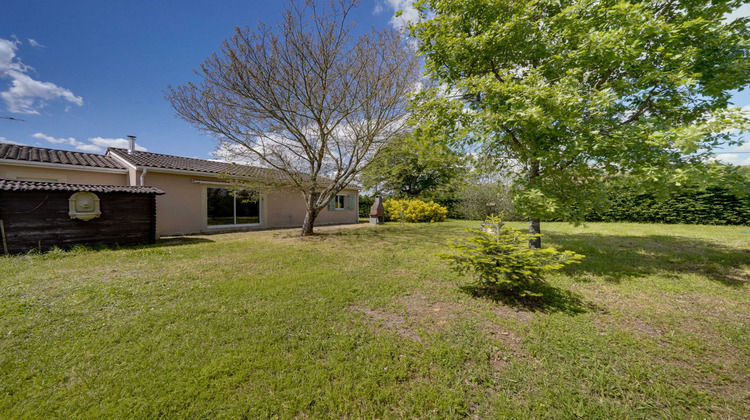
point(288, 210)
point(133, 177)
point(70, 176)
point(183, 209)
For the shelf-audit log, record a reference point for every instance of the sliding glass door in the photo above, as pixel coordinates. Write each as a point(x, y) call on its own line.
point(227, 208)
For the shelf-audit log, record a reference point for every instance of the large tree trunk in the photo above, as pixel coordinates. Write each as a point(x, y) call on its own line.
point(534, 224)
point(307, 225)
point(535, 228)
point(310, 213)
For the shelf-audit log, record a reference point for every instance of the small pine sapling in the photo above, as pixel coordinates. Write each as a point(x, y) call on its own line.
point(500, 260)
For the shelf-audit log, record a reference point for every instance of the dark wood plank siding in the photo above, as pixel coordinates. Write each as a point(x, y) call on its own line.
point(39, 219)
point(152, 237)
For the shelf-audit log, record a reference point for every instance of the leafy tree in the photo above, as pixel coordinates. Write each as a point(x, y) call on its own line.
point(408, 167)
point(563, 92)
point(308, 98)
point(479, 200)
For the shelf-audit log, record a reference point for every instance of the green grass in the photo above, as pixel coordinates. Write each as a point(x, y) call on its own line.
point(366, 322)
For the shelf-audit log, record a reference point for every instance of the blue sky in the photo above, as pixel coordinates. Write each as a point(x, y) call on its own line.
point(92, 72)
point(84, 74)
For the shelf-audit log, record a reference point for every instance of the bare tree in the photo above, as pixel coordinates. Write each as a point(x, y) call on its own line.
point(308, 98)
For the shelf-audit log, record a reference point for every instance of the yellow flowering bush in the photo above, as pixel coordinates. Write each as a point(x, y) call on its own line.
point(414, 211)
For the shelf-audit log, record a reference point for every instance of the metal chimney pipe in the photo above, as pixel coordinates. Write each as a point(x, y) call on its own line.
point(131, 145)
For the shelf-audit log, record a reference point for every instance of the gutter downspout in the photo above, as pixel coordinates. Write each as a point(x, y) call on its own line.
point(143, 174)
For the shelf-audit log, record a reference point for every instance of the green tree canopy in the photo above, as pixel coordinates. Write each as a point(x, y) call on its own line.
point(409, 167)
point(563, 92)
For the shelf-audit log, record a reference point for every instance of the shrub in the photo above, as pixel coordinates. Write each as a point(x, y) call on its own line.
point(479, 201)
point(365, 204)
point(449, 202)
point(714, 205)
point(500, 259)
point(414, 211)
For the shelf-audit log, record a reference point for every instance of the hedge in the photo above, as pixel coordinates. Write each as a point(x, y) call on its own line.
point(711, 206)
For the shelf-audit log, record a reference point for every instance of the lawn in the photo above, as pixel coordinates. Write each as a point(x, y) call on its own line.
point(366, 322)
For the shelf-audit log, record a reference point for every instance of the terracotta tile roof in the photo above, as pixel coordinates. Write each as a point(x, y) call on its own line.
point(157, 160)
point(63, 157)
point(18, 185)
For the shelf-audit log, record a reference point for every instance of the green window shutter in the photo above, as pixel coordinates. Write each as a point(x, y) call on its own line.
point(351, 201)
point(332, 204)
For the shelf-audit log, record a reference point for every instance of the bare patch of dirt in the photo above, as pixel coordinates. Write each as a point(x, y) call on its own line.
point(507, 312)
point(631, 324)
point(512, 348)
point(417, 312)
point(388, 321)
point(431, 314)
point(411, 314)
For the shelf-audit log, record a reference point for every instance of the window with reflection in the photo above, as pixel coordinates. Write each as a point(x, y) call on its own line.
point(340, 202)
point(228, 207)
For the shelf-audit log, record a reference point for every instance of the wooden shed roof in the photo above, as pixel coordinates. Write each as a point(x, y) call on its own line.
point(63, 157)
point(19, 185)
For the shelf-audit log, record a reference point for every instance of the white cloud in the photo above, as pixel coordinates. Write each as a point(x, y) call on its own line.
point(33, 42)
point(4, 140)
point(378, 9)
point(42, 136)
point(740, 12)
point(7, 55)
point(118, 142)
point(408, 13)
point(234, 153)
point(94, 144)
point(79, 145)
point(734, 158)
point(89, 148)
point(745, 147)
point(27, 95)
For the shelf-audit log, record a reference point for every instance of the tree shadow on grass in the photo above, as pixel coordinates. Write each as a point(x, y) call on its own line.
point(56, 252)
point(619, 257)
point(549, 298)
point(178, 241)
point(396, 234)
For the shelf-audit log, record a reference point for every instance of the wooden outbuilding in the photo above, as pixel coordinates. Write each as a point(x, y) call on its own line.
point(41, 215)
